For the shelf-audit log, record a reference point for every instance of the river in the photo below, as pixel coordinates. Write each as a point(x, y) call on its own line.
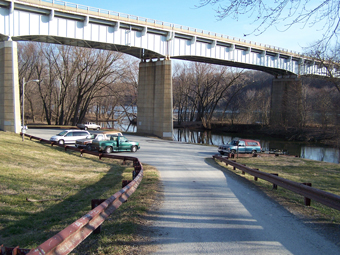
point(304, 150)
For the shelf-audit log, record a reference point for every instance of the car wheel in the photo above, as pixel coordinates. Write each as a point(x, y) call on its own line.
point(98, 128)
point(61, 142)
point(88, 147)
point(221, 152)
point(134, 148)
point(233, 151)
point(254, 152)
point(85, 128)
point(108, 149)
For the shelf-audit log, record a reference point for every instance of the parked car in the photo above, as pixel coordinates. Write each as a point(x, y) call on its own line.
point(116, 143)
point(96, 135)
point(240, 146)
point(89, 125)
point(69, 136)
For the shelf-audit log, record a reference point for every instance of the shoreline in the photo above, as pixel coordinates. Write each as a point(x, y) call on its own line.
point(329, 136)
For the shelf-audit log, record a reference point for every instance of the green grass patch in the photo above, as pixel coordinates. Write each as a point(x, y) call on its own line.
point(34, 170)
point(324, 176)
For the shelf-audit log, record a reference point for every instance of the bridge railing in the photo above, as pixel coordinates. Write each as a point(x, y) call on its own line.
point(108, 13)
point(323, 197)
point(70, 237)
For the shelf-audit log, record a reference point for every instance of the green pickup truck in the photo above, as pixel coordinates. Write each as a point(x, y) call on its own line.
point(115, 144)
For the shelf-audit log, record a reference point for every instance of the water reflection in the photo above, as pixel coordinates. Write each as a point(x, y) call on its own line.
point(121, 126)
point(319, 153)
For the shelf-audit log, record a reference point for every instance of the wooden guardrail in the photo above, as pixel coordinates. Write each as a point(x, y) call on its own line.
point(70, 237)
point(323, 197)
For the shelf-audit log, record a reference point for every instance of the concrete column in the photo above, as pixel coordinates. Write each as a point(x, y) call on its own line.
point(285, 108)
point(154, 114)
point(9, 88)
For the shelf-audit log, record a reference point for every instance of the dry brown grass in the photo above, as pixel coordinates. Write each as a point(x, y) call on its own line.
point(38, 171)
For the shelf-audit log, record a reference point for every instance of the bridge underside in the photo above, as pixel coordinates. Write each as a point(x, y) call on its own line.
point(270, 70)
point(133, 51)
point(144, 53)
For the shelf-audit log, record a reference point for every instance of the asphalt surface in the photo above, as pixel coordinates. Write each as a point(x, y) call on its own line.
point(206, 211)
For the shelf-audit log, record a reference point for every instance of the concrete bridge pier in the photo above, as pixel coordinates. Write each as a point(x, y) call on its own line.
point(155, 99)
point(9, 88)
point(286, 102)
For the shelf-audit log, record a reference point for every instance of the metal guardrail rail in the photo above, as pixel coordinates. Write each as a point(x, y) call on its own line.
point(323, 197)
point(70, 237)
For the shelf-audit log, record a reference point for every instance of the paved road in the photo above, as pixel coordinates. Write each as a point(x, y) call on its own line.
point(208, 212)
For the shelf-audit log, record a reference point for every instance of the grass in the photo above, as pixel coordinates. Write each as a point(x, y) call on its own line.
point(38, 171)
point(324, 176)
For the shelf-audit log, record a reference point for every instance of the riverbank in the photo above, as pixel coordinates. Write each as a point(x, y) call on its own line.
point(329, 136)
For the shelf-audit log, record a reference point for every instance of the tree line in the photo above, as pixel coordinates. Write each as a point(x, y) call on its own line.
point(77, 84)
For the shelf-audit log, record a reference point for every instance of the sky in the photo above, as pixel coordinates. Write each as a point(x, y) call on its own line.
point(184, 12)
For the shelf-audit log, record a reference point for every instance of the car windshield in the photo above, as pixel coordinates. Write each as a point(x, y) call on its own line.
point(62, 133)
point(233, 142)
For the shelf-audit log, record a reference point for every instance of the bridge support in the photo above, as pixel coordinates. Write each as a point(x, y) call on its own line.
point(9, 88)
point(286, 96)
point(155, 99)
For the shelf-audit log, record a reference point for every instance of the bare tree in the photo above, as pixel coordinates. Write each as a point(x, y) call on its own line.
point(130, 88)
point(181, 92)
point(329, 59)
point(199, 89)
point(26, 61)
point(71, 79)
point(96, 70)
point(288, 13)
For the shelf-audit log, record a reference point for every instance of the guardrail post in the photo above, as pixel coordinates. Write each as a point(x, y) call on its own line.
point(234, 168)
point(275, 185)
point(13, 251)
point(135, 173)
point(255, 177)
point(125, 182)
point(243, 172)
point(307, 200)
point(124, 162)
point(94, 204)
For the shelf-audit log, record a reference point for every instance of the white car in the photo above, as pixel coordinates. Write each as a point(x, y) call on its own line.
point(69, 136)
point(89, 125)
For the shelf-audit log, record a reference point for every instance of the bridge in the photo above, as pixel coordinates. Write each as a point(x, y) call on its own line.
point(152, 41)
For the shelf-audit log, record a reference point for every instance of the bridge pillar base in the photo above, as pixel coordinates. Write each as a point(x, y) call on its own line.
point(154, 105)
point(9, 88)
point(285, 107)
